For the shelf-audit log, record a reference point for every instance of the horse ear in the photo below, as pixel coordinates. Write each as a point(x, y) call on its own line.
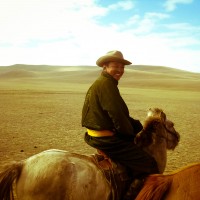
point(143, 138)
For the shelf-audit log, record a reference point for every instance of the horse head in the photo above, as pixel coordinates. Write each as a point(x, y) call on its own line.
point(157, 127)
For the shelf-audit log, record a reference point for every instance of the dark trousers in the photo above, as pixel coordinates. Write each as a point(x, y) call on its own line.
point(126, 153)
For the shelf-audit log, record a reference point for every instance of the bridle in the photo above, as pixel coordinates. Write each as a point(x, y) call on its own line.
point(168, 131)
point(171, 132)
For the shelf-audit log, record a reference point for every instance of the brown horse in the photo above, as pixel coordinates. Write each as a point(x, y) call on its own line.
point(61, 175)
point(179, 185)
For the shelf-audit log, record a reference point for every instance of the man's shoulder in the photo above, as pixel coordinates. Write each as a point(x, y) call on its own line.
point(102, 80)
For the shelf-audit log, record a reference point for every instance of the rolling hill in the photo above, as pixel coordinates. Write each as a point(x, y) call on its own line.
point(140, 76)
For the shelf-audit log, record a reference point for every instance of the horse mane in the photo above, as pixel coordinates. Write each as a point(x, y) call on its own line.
point(144, 137)
point(151, 123)
point(155, 187)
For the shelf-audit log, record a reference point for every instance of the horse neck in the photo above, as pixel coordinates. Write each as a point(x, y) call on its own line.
point(158, 150)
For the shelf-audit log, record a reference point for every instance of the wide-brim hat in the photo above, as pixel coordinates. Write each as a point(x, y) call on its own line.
point(112, 56)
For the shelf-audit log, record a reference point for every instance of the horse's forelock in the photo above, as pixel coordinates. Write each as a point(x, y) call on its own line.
point(156, 112)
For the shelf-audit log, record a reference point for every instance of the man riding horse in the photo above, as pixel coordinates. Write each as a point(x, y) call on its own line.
point(110, 128)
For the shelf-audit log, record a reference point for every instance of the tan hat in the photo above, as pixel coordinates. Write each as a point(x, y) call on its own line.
point(112, 56)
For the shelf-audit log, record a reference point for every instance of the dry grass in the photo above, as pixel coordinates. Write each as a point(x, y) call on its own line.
point(41, 108)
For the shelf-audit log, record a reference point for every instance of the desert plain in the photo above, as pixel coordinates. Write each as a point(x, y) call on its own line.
point(41, 108)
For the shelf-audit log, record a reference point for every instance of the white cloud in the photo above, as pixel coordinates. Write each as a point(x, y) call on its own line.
point(60, 32)
point(171, 5)
point(162, 51)
point(22, 20)
point(147, 23)
point(125, 5)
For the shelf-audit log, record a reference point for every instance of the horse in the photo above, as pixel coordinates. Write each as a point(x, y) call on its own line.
point(61, 175)
point(182, 184)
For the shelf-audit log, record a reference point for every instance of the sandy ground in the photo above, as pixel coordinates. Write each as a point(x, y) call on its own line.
point(38, 114)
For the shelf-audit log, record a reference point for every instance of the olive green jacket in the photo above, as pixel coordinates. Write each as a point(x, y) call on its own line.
point(104, 108)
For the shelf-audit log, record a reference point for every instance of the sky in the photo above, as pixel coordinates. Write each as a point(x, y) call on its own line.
point(78, 32)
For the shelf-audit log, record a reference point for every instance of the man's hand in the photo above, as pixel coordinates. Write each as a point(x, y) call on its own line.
point(137, 126)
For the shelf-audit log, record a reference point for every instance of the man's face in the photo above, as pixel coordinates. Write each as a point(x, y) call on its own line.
point(115, 69)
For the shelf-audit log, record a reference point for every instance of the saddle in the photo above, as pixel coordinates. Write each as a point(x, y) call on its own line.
point(104, 161)
point(115, 174)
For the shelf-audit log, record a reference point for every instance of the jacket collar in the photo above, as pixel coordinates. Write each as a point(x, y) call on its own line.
point(105, 74)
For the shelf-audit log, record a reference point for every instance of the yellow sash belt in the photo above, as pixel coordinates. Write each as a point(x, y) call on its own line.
point(101, 133)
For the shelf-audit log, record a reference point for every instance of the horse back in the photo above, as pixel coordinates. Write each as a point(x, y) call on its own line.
point(56, 175)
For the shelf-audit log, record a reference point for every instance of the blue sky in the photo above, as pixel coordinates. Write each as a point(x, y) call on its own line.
point(77, 32)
